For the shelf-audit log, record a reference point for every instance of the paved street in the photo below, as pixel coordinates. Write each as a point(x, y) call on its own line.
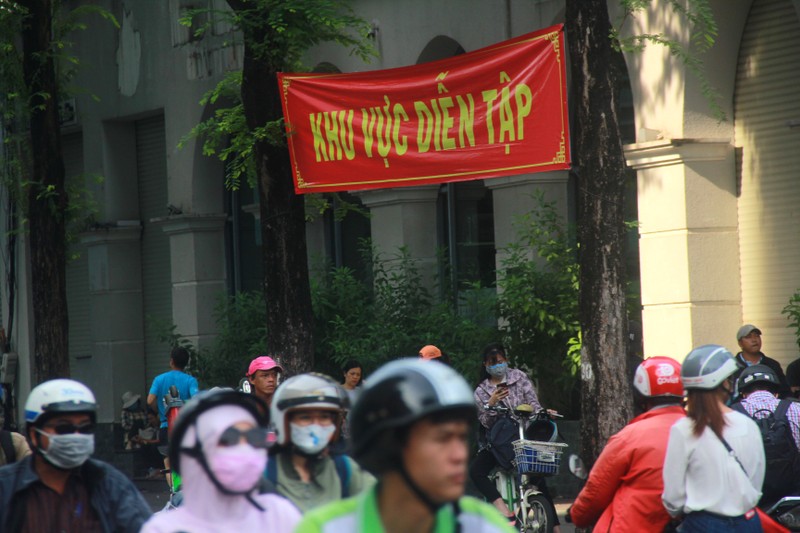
point(154, 491)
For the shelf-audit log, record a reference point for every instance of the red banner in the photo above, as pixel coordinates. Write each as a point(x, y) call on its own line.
point(497, 111)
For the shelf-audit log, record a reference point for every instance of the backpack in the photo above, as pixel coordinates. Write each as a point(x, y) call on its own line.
point(780, 450)
point(8, 446)
point(499, 438)
point(342, 470)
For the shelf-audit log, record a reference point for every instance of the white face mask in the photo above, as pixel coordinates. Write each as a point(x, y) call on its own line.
point(313, 438)
point(68, 451)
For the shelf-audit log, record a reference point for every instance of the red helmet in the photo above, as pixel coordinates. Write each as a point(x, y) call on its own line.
point(659, 376)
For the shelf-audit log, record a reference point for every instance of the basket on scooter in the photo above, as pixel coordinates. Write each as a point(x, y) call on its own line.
point(537, 457)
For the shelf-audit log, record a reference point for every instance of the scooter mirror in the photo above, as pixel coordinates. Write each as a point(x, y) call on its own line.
point(577, 467)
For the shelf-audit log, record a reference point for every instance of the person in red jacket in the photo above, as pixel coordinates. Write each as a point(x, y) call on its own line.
point(623, 492)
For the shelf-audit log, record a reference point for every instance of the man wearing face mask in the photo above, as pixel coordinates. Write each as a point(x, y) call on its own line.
point(59, 487)
point(306, 411)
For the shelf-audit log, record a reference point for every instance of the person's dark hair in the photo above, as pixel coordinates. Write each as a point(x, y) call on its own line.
point(180, 356)
point(761, 385)
point(645, 404)
point(490, 353)
point(704, 408)
point(350, 365)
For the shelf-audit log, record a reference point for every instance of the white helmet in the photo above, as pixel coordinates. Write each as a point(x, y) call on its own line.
point(306, 391)
point(707, 366)
point(59, 396)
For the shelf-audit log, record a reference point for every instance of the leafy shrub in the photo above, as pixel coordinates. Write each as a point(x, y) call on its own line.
point(792, 312)
point(393, 314)
point(538, 301)
point(241, 321)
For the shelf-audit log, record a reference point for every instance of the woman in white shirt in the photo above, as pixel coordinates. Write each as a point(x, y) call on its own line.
point(715, 462)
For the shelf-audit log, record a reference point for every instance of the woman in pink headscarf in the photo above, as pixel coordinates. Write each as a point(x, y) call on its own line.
point(219, 448)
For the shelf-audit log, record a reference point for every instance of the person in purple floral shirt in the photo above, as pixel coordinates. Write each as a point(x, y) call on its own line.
point(508, 387)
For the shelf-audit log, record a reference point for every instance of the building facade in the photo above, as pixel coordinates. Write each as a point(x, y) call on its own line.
point(718, 202)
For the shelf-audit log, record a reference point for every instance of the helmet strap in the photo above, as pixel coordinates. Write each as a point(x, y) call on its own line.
point(432, 506)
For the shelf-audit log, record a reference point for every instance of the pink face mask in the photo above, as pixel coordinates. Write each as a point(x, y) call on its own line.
point(238, 468)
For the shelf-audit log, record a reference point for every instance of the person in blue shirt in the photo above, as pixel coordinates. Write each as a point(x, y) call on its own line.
point(186, 385)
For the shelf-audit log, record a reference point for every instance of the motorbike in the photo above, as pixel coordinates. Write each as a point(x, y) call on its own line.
point(786, 512)
point(533, 461)
point(173, 403)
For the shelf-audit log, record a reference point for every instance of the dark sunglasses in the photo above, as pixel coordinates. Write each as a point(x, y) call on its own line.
point(255, 437)
point(67, 428)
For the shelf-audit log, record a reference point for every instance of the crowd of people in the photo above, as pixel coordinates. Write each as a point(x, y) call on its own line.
point(390, 451)
point(715, 445)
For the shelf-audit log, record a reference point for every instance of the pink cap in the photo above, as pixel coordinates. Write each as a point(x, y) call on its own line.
point(430, 352)
point(263, 362)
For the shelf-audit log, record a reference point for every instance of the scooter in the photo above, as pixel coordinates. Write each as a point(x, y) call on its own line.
point(533, 460)
point(786, 512)
point(173, 402)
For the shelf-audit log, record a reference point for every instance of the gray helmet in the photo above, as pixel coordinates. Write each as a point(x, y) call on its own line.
point(707, 366)
point(756, 374)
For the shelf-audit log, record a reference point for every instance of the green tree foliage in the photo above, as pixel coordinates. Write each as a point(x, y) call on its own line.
point(792, 313)
point(35, 65)
point(241, 337)
point(698, 15)
point(392, 314)
point(249, 136)
point(538, 303)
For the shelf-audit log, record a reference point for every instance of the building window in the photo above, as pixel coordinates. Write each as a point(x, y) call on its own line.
point(466, 235)
point(346, 235)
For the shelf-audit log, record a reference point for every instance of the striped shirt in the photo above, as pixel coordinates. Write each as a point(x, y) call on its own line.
point(71, 512)
point(766, 402)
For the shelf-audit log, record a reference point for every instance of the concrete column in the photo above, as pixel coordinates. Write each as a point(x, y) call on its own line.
point(197, 256)
point(513, 196)
point(688, 243)
point(405, 217)
point(116, 363)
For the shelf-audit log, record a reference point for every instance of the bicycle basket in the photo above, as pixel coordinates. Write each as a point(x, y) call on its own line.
point(537, 457)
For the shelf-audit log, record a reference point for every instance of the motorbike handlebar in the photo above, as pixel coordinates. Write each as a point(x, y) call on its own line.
point(541, 413)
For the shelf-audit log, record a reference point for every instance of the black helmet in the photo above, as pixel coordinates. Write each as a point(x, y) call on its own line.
point(756, 374)
point(396, 396)
point(204, 401)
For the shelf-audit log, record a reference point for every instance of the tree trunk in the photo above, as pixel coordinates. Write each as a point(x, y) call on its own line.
point(287, 290)
point(47, 198)
point(600, 165)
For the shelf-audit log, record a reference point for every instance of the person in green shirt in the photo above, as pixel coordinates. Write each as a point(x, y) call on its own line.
point(410, 427)
point(306, 411)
